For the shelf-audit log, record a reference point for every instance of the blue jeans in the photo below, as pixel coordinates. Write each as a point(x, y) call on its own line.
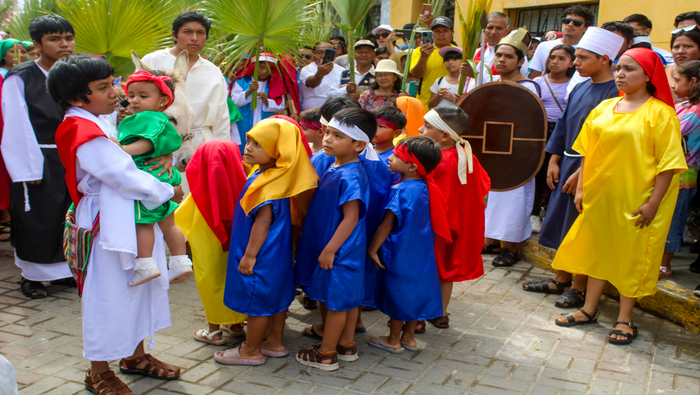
point(674, 241)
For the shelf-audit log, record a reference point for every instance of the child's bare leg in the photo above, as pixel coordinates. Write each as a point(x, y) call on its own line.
point(334, 327)
point(319, 329)
point(347, 337)
point(99, 367)
point(146, 239)
point(359, 324)
point(394, 338)
point(172, 235)
point(257, 326)
point(446, 289)
point(408, 337)
point(275, 330)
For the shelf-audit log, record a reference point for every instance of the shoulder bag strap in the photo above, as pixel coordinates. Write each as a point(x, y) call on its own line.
point(554, 95)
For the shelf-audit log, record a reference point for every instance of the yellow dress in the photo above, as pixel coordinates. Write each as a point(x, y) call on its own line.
point(623, 154)
point(209, 263)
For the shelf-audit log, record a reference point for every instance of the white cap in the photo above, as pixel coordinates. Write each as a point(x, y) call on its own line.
point(601, 42)
point(382, 27)
point(642, 39)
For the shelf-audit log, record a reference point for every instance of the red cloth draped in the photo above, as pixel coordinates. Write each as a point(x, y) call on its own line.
point(5, 179)
point(216, 177)
point(438, 207)
point(461, 260)
point(71, 134)
point(278, 84)
point(477, 58)
point(654, 67)
point(301, 131)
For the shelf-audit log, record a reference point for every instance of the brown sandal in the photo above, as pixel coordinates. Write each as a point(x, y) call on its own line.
point(106, 383)
point(307, 303)
point(148, 365)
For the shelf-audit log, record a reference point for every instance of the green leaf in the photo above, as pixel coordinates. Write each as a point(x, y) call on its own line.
point(352, 13)
point(19, 24)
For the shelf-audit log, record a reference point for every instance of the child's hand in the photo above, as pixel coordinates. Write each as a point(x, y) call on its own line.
point(246, 264)
point(263, 97)
point(552, 175)
point(115, 141)
point(253, 87)
point(123, 113)
point(377, 263)
point(326, 259)
point(646, 212)
point(578, 200)
point(571, 183)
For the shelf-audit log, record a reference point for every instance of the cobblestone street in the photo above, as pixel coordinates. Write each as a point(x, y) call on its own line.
point(502, 340)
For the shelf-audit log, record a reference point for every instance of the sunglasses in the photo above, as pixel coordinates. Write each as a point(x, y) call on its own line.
point(383, 35)
point(687, 29)
point(307, 56)
point(576, 22)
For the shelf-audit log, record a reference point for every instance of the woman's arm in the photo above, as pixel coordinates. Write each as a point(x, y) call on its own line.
point(379, 237)
point(351, 216)
point(258, 235)
point(578, 198)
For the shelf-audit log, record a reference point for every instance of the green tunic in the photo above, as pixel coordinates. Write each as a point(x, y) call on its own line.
point(156, 127)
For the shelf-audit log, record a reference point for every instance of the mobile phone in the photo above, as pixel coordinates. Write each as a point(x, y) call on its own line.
point(427, 37)
point(404, 33)
point(329, 56)
point(427, 9)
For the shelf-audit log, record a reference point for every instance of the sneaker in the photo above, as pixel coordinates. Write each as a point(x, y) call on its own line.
point(180, 269)
point(312, 357)
point(347, 354)
point(145, 270)
point(536, 224)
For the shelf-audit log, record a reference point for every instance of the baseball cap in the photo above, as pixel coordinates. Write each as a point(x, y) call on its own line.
point(441, 21)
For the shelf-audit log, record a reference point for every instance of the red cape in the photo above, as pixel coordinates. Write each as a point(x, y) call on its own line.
point(461, 260)
point(71, 134)
point(477, 58)
point(279, 84)
point(5, 180)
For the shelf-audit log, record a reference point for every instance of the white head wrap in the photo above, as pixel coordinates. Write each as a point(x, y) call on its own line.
point(267, 58)
point(642, 39)
point(355, 133)
point(464, 150)
point(601, 42)
point(324, 121)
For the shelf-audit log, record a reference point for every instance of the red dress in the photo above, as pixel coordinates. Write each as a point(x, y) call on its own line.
point(5, 179)
point(461, 260)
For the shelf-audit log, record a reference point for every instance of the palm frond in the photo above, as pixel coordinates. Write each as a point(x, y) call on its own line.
point(437, 6)
point(470, 27)
point(321, 23)
point(351, 13)
point(19, 23)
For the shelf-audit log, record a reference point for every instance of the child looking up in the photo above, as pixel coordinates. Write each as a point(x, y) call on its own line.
point(260, 276)
point(310, 121)
point(464, 184)
point(390, 123)
point(103, 179)
point(333, 242)
point(145, 135)
point(414, 209)
point(444, 90)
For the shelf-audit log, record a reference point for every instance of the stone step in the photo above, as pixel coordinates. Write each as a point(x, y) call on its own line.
point(674, 300)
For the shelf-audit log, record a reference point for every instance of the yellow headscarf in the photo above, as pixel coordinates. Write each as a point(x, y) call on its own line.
point(293, 176)
point(414, 110)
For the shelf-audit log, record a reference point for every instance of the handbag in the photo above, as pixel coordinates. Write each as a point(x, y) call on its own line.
point(77, 244)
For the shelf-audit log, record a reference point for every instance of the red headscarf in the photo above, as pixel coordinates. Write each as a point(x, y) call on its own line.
point(216, 177)
point(303, 136)
point(278, 84)
point(652, 65)
point(159, 80)
point(438, 206)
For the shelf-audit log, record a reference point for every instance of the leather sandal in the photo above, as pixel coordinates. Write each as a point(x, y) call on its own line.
point(505, 259)
point(571, 298)
point(440, 322)
point(544, 288)
point(106, 383)
point(148, 365)
point(571, 321)
point(33, 289)
point(628, 336)
point(314, 358)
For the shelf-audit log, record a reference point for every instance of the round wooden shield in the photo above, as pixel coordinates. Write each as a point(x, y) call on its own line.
point(507, 131)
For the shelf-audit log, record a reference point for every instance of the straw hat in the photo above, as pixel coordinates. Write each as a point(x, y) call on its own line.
point(387, 66)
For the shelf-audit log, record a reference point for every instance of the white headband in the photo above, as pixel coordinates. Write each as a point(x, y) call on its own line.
point(464, 154)
point(324, 121)
point(355, 133)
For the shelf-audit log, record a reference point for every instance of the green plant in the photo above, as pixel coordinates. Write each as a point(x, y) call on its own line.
point(19, 23)
point(351, 13)
point(471, 33)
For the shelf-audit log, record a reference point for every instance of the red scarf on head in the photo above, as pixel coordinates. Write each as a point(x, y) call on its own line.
point(301, 131)
point(438, 206)
point(654, 68)
point(159, 80)
point(216, 177)
point(278, 84)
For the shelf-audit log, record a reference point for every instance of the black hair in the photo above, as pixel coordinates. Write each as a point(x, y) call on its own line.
point(624, 29)
point(452, 55)
point(585, 13)
point(454, 117)
point(694, 35)
point(571, 51)
point(694, 15)
point(311, 115)
point(392, 114)
point(409, 26)
point(339, 38)
point(48, 24)
point(425, 149)
point(689, 70)
point(359, 117)
point(518, 51)
point(640, 20)
point(381, 50)
point(69, 78)
point(335, 104)
point(191, 16)
point(169, 83)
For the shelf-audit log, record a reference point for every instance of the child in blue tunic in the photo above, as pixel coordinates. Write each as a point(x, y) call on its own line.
point(260, 275)
point(333, 242)
point(403, 245)
point(390, 123)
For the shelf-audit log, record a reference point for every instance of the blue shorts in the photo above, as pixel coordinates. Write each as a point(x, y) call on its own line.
point(674, 241)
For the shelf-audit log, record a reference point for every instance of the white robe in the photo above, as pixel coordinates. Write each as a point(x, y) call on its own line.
point(117, 317)
point(206, 90)
point(240, 100)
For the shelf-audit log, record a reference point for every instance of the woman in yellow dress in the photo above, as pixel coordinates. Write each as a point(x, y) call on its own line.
point(632, 157)
point(215, 175)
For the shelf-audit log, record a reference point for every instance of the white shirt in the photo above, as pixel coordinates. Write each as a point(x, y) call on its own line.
point(239, 99)
point(539, 59)
point(343, 90)
point(315, 97)
point(206, 91)
point(442, 83)
point(666, 55)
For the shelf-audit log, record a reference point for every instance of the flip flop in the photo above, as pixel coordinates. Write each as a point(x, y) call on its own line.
point(409, 348)
point(233, 357)
point(313, 333)
point(381, 346)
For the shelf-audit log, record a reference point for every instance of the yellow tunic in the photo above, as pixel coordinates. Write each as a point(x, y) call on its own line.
point(623, 154)
point(210, 263)
point(434, 69)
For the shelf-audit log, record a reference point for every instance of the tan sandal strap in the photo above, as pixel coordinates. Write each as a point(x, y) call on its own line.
point(107, 383)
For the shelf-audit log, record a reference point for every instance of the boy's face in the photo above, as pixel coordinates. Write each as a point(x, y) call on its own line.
point(385, 134)
point(55, 46)
point(339, 144)
point(103, 98)
point(396, 165)
point(434, 133)
point(191, 37)
point(264, 71)
point(313, 136)
point(587, 64)
point(254, 154)
point(506, 59)
point(145, 96)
